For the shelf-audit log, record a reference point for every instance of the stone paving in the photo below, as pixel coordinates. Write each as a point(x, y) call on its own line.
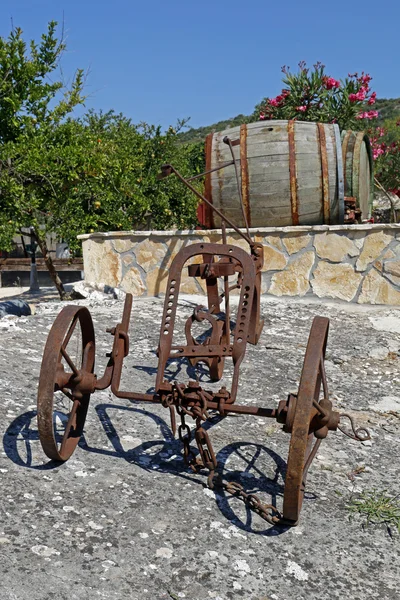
point(125, 519)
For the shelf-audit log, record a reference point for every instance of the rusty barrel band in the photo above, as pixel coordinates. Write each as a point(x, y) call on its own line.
point(208, 213)
point(324, 174)
point(244, 172)
point(356, 166)
point(345, 143)
point(293, 177)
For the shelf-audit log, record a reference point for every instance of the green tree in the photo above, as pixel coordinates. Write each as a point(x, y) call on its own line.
point(72, 176)
point(31, 105)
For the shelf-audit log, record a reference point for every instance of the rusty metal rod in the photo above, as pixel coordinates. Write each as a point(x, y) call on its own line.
point(219, 213)
point(227, 164)
point(269, 413)
point(153, 398)
point(226, 140)
point(226, 292)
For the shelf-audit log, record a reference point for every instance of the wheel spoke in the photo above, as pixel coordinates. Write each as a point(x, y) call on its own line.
point(67, 393)
point(70, 331)
point(87, 355)
point(69, 361)
point(71, 422)
point(323, 376)
point(309, 460)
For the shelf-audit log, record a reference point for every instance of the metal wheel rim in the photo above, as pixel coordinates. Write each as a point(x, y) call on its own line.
point(301, 451)
point(47, 379)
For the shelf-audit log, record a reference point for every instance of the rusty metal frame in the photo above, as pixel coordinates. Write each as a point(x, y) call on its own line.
point(305, 416)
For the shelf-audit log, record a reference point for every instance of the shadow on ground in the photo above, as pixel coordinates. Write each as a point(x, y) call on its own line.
point(164, 455)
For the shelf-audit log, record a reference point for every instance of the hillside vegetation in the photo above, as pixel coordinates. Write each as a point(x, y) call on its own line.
point(388, 108)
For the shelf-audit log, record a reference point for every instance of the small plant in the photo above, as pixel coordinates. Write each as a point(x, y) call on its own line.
point(312, 95)
point(377, 507)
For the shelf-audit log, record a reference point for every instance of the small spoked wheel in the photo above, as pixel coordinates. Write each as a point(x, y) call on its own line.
point(66, 382)
point(301, 448)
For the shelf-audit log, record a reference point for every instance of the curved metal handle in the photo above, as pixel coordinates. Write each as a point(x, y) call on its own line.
point(360, 435)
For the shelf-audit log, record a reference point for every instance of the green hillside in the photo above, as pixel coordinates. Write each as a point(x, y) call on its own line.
point(387, 108)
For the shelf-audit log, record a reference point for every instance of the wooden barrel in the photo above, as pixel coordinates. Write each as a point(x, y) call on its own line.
point(291, 174)
point(358, 167)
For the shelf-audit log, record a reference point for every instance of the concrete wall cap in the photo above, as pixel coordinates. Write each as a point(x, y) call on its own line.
point(254, 230)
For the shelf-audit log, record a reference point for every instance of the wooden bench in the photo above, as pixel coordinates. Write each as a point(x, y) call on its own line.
point(24, 264)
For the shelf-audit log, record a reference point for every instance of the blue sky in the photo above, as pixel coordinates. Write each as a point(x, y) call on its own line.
point(210, 60)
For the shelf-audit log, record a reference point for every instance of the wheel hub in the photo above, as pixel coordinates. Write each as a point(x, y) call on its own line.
point(322, 417)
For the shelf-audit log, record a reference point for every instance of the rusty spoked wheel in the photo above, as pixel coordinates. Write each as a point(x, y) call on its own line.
point(300, 414)
point(66, 382)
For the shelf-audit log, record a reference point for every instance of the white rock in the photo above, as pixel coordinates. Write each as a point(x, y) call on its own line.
point(208, 493)
point(378, 352)
point(242, 566)
point(164, 553)
point(95, 526)
point(296, 570)
point(367, 443)
point(42, 550)
point(80, 474)
point(68, 509)
point(389, 323)
point(388, 404)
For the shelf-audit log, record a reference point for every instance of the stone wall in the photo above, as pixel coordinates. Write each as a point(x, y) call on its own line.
point(353, 263)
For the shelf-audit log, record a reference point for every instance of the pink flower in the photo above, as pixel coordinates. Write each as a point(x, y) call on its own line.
point(378, 151)
point(330, 83)
point(301, 108)
point(285, 93)
point(372, 114)
point(273, 102)
point(365, 79)
point(262, 116)
point(361, 94)
point(372, 98)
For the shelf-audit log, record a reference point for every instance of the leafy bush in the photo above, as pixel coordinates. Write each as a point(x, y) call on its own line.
point(316, 96)
point(385, 142)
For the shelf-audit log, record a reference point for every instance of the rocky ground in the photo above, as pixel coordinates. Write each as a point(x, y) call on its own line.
point(125, 519)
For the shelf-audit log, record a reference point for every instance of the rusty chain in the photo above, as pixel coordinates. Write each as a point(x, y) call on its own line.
point(268, 512)
point(185, 436)
point(207, 460)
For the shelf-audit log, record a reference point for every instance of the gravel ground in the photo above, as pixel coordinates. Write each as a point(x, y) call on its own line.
point(124, 518)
